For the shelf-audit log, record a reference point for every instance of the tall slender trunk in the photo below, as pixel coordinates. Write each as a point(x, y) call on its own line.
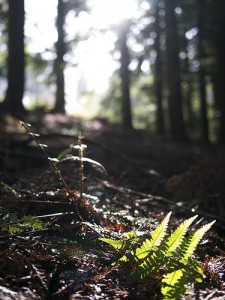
point(125, 76)
point(16, 58)
point(220, 47)
point(188, 91)
point(173, 73)
point(221, 90)
point(158, 77)
point(202, 71)
point(60, 63)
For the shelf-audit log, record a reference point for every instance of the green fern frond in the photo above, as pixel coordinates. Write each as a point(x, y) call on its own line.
point(174, 284)
point(151, 244)
point(194, 240)
point(149, 266)
point(159, 233)
point(130, 238)
point(176, 238)
point(14, 225)
point(174, 256)
point(116, 244)
point(157, 237)
point(171, 281)
point(132, 235)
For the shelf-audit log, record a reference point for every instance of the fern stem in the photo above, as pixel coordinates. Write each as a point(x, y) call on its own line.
point(53, 165)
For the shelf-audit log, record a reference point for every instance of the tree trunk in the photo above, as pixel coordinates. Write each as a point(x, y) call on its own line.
point(125, 77)
point(221, 90)
point(188, 91)
point(202, 71)
point(158, 77)
point(16, 58)
point(59, 63)
point(173, 73)
point(220, 46)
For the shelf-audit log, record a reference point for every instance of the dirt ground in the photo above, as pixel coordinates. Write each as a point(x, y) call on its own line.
point(147, 176)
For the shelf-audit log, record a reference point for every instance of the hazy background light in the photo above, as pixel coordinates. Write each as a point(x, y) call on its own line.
point(90, 64)
point(107, 12)
point(40, 24)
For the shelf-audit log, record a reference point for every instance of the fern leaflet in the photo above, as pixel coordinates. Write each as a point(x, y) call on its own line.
point(150, 244)
point(174, 284)
point(176, 238)
point(123, 244)
point(148, 267)
point(195, 239)
point(116, 244)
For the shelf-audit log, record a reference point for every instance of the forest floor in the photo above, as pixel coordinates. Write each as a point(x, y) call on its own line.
point(59, 255)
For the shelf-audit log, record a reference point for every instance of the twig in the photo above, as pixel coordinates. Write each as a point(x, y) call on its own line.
point(129, 191)
point(55, 215)
point(149, 199)
point(32, 267)
point(51, 161)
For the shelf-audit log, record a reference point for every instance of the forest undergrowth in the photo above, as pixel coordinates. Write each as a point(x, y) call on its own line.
point(70, 230)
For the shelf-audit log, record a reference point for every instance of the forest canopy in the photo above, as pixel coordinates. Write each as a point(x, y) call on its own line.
point(144, 64)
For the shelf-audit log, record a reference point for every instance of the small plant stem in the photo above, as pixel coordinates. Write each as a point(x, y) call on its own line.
point(53, 165)
point(81, 168)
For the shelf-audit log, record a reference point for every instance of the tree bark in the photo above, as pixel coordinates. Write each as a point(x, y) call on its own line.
point(202, 71)
point(173, 73)
point(16, 58)
point(125, 76)
point(188, 101)
point(160, 126)
point(221, 90)
point(220, 50)
point(60, 63)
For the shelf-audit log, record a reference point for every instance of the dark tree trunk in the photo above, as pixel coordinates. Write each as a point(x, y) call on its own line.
point(221, 90)
point(173, 73)
point(220, 46)
point(125, 77)
point(158, 77)
point(190, 112)
point(59, 63)
point(202, 71)
point(216, 105)
point(16, 59)
point(188, 92)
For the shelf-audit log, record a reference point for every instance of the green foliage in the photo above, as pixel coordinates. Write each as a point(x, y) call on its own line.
point(111, 101)
point(9, 222)
point(155, 253)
